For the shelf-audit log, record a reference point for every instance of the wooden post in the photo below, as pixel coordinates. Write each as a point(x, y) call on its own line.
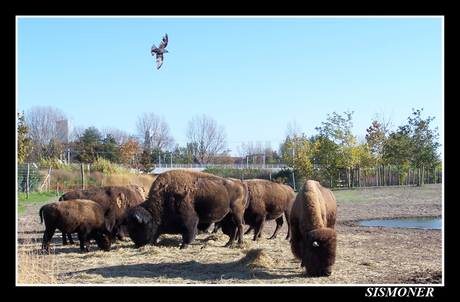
point(27, 182)
point(57, 188)
point(49, 179)
point(82, 176)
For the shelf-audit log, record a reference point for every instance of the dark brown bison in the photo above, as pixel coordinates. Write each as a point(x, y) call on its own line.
point(84, 217)
point(116, 201)
point(314, 240)
point(268, 201)
point(179, 200)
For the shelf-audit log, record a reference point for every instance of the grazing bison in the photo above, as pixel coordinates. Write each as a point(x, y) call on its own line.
point(116, 201)
point(314, 240)
point(85, 217)
point(268, 201)
point(179, 200)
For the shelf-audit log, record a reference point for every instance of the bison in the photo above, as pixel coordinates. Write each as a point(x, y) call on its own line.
point(268, 201)
point(179, 200)
point(314, 240)
point(84, 217)
point(116, 201)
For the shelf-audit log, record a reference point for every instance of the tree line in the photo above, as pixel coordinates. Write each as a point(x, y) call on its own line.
point(335, 148)
point(321, 156)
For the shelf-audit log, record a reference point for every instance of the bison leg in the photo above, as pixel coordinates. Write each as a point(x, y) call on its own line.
point(259, 228)
point(239, 224)
point(236, 228)
point(84, 241)
point(249, 230)
point(70, 238)
point(64, 238)
point(279, 224)
point(189, 234)
point(47, 235)
point(287, 214)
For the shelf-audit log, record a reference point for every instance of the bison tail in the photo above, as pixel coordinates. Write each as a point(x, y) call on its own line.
point(248, 199)
point(41, 214)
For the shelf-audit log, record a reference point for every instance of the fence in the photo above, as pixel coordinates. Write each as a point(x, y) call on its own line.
point(31, 177)
point(378, 176)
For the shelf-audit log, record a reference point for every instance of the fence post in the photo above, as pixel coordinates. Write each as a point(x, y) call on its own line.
point(49, 180)
point(83, 176)
point(27, 182)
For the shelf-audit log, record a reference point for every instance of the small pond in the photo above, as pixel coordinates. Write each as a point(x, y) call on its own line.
point(415, 223)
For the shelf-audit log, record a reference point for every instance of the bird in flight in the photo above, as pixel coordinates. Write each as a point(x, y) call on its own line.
point(160, 51)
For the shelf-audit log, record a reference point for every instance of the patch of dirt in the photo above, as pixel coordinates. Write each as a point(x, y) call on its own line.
point(365, 255)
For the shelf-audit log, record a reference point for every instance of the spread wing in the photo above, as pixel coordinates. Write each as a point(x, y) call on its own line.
point(153, 50)
point(164, 42)
point(159, 60)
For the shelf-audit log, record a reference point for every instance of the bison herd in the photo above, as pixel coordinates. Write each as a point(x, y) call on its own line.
point(184, 202)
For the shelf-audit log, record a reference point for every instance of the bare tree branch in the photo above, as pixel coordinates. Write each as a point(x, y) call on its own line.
point(206, 138)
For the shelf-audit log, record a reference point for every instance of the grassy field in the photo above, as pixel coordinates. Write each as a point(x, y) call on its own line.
point(33, 198)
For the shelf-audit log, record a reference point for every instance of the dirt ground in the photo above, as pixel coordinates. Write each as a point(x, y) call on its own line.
point(365, 255)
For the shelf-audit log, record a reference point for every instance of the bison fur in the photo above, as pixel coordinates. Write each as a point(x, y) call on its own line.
point(116, 201)
point(179, 200)
point(268, 201)
point(314, 240)
point(84, 217)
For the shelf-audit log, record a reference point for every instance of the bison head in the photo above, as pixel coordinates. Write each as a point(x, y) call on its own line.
point(318, 250)
point(104, 239)
point(140, 226)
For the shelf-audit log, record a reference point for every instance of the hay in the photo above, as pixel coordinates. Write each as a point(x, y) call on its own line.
point(35, 267)
point(258, 258)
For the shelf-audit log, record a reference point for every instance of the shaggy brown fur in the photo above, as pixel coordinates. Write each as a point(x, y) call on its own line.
point(180, 199)
point(314, 239)
point(116, 201)
point(84, 217)
point(268, 201)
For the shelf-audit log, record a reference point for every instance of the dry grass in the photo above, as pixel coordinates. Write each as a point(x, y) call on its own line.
point(33, 268)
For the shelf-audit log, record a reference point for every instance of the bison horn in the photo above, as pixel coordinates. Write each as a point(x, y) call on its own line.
point(138, 218)
point(315, 244)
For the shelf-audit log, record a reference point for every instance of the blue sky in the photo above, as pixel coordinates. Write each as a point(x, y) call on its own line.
point(253, 75)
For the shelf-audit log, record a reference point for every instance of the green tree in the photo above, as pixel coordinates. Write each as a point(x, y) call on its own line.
point(24, 140)
point(398, 152)
point(109, 149)
point(89, 145)
point(337, 128)
point(424, 142)
point(325, 156)
point(300, 158)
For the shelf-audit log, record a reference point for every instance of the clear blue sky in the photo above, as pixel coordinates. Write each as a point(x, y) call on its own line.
point(253, 75)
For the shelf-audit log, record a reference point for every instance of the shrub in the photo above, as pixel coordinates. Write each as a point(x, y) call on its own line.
point(105, 166)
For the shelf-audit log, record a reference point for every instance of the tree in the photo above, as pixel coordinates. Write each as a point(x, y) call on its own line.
point(89, 145)
point(42, 123)
point(398, 151)
point(338, 128)
point(129, 150)
point(154, 131)
point(109, 149)
point(377, 137)
point(24, 140)
point(300, 158)
point(424, 142)
point(206, 137)
point(326, 156)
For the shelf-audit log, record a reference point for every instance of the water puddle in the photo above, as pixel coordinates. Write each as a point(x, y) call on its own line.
point(415, 223)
